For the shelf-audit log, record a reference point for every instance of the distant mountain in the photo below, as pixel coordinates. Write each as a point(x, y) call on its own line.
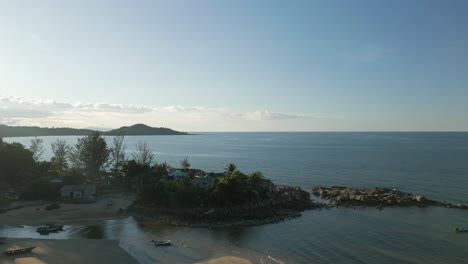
point(135, 130)
point(143, 130)
point(31, 131)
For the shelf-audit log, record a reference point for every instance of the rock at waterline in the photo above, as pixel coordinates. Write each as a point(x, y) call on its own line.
point(341, 196)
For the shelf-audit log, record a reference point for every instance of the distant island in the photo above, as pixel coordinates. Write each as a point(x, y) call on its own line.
point(135, 130)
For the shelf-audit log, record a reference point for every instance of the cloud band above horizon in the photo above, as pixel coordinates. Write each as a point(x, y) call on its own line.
point(22, 111)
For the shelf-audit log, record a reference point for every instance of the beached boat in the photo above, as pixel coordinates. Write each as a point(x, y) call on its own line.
point(461, 229)
point(18, 251)
point(158, 243)
point(49, 228)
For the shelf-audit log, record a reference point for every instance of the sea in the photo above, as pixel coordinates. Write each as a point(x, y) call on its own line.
point(433, 164)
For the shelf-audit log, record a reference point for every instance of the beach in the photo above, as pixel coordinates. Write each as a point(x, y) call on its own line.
point(68, 251)
point(72, 251)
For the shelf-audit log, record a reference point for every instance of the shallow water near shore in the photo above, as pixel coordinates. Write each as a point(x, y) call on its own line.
point(431, 164)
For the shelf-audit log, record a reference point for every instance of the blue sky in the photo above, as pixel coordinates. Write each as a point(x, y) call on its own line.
point(235, 65)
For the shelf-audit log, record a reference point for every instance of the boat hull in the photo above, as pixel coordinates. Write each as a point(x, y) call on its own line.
point(49, 229)
point(162, 243)
point(18, 251)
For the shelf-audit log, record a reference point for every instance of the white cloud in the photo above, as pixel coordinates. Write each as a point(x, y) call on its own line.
point(266, 115)
point(38, 112)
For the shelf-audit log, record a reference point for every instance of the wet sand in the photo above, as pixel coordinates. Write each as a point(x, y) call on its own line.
point(66, 251)
point(227, 260)
point(72, 251)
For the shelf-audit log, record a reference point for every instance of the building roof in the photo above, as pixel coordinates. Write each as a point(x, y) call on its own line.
point(177, 174)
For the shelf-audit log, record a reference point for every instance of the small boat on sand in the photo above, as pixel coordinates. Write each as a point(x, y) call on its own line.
point(461, 229)
point(18, 251)
point(49, 228)
point(158, 243)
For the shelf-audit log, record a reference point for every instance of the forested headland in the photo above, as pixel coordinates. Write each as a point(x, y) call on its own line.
point(182, 195)
point(134, 130)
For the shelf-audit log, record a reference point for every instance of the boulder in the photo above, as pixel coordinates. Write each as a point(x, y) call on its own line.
point(419, 198)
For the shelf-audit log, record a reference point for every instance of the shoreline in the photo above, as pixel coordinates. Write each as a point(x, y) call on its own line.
point(283, 202)
point(89, 214)
point(78, 251)
point(378, 197)
point(70, 251)
point(174, 221)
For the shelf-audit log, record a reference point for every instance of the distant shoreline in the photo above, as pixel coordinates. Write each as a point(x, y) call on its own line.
point(134, 130)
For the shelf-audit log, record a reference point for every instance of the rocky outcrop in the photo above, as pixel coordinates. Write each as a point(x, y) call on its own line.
point(340, 196)
point(283, 202)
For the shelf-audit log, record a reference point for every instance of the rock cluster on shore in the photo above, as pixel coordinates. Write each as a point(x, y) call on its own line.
point(378, 197)
point(283, 202)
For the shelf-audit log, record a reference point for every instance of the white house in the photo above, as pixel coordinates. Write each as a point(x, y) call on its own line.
point(203, 182)
point(78, 191)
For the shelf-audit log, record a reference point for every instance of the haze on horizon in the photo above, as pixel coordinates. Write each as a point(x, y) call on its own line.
point(235, 65)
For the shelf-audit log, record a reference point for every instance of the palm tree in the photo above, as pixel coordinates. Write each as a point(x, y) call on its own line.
point(230, 169)
point(185, 164)
point(165, 167)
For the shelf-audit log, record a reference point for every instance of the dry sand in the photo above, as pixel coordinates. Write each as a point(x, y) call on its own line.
point(227, 260)
point(66, 252)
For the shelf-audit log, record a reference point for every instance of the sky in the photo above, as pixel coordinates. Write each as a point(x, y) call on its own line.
point(245, 65)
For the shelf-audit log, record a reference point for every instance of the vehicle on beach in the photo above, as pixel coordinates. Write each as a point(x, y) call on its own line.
point(18, 251)
point(49, 228)
point(158, 243)
point(461, 229)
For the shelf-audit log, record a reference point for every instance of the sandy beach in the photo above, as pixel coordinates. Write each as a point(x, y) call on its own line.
point(69, 251)
point(72, 251)
point(227, 260)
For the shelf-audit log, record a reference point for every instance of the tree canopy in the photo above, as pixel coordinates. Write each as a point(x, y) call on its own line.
point(37, 148)
point(91, 154)
point(60, 150)
point(14, 160)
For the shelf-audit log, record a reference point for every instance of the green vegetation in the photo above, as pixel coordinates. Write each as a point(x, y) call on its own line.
point(229, 189)
point(37, 148)
point(91, 154)
point(237, 188)
point(141, 129)
point(144, 154)
point(15, 162)
point(91, 160)
point(59, 160)
point(21, 174)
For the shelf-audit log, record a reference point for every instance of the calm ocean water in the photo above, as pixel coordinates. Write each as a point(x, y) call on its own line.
point(432, 164)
